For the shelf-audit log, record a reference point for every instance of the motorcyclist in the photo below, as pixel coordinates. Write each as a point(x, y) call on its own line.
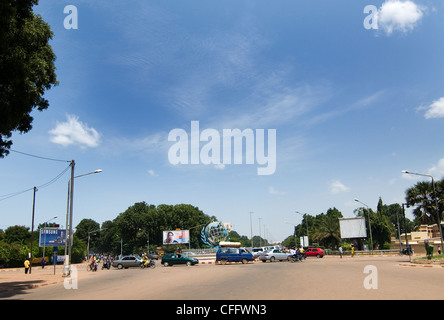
point(145, 260)
point(93, 263)
point(106, 262)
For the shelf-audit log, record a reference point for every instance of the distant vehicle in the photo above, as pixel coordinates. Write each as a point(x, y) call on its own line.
point(224, 255)
point(153, 256)
point(170, 259)
point(315, 252)
point(127, 262)
point(273, 255)
point(256, 251)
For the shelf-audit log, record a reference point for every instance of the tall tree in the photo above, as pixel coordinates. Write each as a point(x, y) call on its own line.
point(26, 67)
point(327, 229)
point(425, 197)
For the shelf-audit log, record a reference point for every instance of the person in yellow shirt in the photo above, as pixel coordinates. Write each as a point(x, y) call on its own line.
point(27, 264)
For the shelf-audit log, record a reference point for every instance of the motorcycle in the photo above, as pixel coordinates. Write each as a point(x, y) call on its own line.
point(406, 251)
point(106, 264)
point(148, 264)
point(297, 257)
point(92, 266)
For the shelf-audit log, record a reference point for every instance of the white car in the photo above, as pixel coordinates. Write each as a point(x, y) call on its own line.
point(273, 255)
point(257, 251)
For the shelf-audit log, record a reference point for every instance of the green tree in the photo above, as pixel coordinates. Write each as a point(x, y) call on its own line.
point(17, 234)
point(381, 226)
point(26, 67)
point(326, 230)
point(423, 196)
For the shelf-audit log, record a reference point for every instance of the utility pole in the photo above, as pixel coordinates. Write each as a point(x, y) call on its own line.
point(32, 228)
point(68, 238)
point(251, 231)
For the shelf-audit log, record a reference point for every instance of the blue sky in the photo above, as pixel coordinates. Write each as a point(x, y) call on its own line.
point(352, 107)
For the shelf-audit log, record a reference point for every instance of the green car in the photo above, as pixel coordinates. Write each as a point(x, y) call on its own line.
point(170, 259)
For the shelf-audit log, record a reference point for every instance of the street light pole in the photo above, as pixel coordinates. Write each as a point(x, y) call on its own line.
point(32, 228)
point(251, 231)
point(436, 202)
point(306, 223)
point(68, 236)
point(369, 222)
point(405, 231)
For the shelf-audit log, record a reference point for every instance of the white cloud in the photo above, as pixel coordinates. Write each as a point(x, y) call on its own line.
point(152, 173)
point(273, 191)
point(74, 132)
point(338, 187)
point(435, 110)
point(397, 15)
point(437, 171)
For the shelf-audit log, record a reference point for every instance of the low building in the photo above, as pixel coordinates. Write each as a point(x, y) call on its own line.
point(417, 238)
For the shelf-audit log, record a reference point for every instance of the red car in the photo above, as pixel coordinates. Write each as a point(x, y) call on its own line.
point(315, 252)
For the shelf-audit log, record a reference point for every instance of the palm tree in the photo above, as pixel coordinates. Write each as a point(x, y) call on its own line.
point(327, 230)
point(422, 195)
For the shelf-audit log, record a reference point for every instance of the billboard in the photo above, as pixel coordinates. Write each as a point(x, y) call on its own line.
point(352, 227)
point(176, 236)
point(52, 237)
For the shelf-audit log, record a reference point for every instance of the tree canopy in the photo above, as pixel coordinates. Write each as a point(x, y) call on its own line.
point(27, 67)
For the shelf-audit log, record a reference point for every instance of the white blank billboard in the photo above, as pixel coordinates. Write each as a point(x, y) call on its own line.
point(352, 227)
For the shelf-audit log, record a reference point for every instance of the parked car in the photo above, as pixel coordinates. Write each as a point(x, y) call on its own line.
point(315, 252)
point(153, 256)
point(127, 261)
point(224, 255)
point(257, 251)
point(169, 259)
point(273, 255)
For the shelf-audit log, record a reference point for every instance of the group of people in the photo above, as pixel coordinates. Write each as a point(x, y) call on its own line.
point(297, 251)
point(94, 262)
point(27, 264)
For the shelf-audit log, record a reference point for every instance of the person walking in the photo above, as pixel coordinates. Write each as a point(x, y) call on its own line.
point(27, 264)
point(340, 251)
point(43, 262)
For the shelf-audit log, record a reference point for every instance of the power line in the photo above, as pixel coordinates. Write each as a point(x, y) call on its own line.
point(10, 195)
point(45, 158)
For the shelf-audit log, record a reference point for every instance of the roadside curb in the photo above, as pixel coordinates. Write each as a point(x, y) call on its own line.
point(420, 265)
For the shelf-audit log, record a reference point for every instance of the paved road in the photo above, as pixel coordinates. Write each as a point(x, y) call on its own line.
point(327, 278)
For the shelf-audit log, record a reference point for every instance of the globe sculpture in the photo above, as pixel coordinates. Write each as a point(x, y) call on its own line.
point(213, 233)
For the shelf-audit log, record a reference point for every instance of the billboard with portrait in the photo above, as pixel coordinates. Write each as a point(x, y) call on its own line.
point(176, 236)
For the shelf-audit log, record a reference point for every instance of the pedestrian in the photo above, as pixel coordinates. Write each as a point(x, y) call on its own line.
point(43, 262)
point(340, 251)
point(27, 264)
point(439, 249)
point(353, 251)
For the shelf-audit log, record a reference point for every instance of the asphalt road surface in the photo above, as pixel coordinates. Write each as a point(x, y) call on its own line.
point(358, 278)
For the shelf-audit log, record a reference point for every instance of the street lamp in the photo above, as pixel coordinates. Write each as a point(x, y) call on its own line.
point(89, 237)
point(436, 201)
point(294, 232)
point(369, 222)
point(69, 210)
point(405, 232)
point(306, 223)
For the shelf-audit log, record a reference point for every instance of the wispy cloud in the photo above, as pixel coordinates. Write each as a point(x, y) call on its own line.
point(437, 171)
point(273, 191)
point(74, 132)
point(337, 186)
point(152, 173)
